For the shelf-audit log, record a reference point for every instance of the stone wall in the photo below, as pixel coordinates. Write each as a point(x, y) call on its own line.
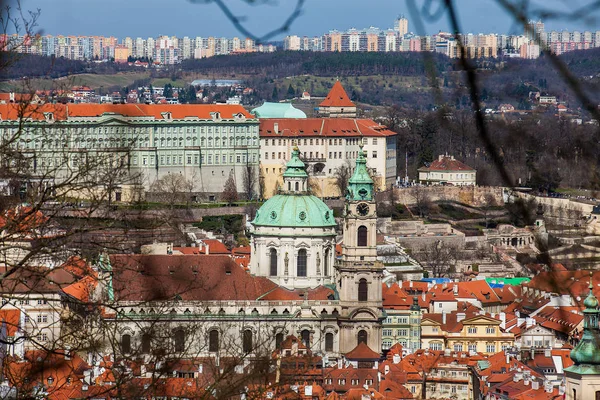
point(475, 196)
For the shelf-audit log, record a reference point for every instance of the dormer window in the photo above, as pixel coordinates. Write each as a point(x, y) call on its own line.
point(167, 115)
point(49, 116)
point(215, 115)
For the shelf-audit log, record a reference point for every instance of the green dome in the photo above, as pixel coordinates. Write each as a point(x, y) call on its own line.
point(278, 110)
point(293, 210)
point(591, 301)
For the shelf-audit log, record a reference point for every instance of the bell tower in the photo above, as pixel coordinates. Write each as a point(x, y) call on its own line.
point(359, 272)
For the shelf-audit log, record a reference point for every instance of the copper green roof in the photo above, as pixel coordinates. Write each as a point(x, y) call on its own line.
point(586, 355)
point(360, 185)
point(278, 110)
point(295, 168)
point(294, 210)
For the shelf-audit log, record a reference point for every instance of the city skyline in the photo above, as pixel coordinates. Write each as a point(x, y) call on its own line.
point(190, 19)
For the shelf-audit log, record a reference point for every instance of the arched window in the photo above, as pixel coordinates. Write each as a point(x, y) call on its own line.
point(363, 291)
point(329, 341)
point(326, 263)
point(301, 265)
point(305, 337)
point(146, 343)
point(278, 340)
point(362, 337)
point(273, 259)
point(213, 340)
point(126, 344)
point(362, 236)
point(297, 187)
point(247, 341)
point(179, 339)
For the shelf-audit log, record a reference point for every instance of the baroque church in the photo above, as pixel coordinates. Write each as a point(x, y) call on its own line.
point(205, 304)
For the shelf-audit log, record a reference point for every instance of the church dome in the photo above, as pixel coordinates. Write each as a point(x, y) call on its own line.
point(294, 206)
point(293, 210)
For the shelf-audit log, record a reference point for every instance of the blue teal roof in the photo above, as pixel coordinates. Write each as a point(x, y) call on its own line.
point(294, 210)
point(278, 110)
point(360, 185)
point(586, 355)
point(295, 168)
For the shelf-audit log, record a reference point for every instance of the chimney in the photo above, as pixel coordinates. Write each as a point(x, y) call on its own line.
point(308, 390)
point(206, 251)
point(455, 289)
point(535, 385)
point(460, 316)
point(443, 317)
point(396, 359)
point(507, 358)
point(276, 128)
point(502, 320)
point(529, 322)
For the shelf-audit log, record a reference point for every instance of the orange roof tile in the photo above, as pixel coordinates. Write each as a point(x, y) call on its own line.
point(362, 352)
point(83, 289)
point(337, 97)
point(178, 111)
point(12, 318)
point(322, 127)
point(446, 163)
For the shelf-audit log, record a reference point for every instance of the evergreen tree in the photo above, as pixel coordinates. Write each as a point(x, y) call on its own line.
point(168, 90)
point(191, 94)
point(230, 193)
point(275, 95)
point(291, 92)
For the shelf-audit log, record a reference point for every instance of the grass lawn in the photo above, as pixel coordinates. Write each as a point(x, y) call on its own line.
point(95, 81)
point(322, 84)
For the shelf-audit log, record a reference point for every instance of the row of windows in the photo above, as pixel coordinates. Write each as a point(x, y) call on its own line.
point(400, 332)
point(26, 302)
point(332, 155)
point(213, 341)
point(93, 143)
point(401, 320)
point(488, 330)
point(180, 341)
point(161, 130)
point(301, 264)
point(318, 141)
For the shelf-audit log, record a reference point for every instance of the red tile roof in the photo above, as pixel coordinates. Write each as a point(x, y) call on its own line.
point(362, 352)
point(12, 318)
point(178, 111)
point(445, 163)
point(83, 289)
point(337, 97)
point(322, 127)
point(191, 277)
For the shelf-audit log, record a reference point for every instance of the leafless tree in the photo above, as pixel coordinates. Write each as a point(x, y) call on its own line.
point(439, 259)
point(341, 176)
point(422, 198)
point(250, 181)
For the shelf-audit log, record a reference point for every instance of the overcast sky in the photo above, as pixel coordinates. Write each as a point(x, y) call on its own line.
point(188, 18)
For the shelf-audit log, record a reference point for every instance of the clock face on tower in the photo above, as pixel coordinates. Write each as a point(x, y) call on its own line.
point(362, 209)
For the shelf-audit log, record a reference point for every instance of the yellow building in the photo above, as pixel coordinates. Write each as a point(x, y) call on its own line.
point(122, 52)
point(477, 333)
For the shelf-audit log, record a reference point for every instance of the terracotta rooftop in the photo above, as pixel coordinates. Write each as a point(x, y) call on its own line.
point(362, 352)
point(322, 127)
point(191, 277)
point(337, 97)
point(178, 111)
point(446, 163)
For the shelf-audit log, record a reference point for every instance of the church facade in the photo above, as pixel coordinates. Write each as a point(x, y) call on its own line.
point(203, 305)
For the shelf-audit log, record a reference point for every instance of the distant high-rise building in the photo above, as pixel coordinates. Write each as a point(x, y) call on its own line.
point(535, 31)
point(401, 26)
